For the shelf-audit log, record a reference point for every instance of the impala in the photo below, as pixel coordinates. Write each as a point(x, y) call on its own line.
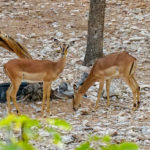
point(115, 65)
point(33, 71)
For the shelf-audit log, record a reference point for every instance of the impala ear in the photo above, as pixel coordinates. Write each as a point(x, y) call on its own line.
point(67, 47)
point(56, 41)
point(75, 87)
point(61, 47)
point(72, 43)
point(75, 90)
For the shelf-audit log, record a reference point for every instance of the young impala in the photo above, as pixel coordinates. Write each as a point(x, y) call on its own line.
point(115, 65)
point(33, 71)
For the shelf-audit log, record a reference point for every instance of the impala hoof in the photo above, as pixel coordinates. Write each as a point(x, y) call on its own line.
point(135, 107)
point(18, 113)
point(96, 107)
point(108, 104)
point(75, 108)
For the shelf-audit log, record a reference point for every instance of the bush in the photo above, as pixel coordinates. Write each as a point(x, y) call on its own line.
point(29, 130)
point(104, 143)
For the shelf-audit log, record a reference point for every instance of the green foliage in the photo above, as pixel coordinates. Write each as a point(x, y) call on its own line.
point(122, 146)
point(7, 122)
point(94, 138)
point(30, 130)
point(56, 136)
point(104, 143)
point(17, 122)
point(23, 123)
point(62, 124)
point(128, 146)
point(16, 146)
point(106, 139)
point(84, 146)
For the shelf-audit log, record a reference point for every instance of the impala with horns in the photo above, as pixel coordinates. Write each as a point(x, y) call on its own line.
point(33, 71)
point(115, 65)
point(10, 44)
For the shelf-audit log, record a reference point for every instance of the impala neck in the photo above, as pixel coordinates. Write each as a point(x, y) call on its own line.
point(87, 83)
point(61, 63)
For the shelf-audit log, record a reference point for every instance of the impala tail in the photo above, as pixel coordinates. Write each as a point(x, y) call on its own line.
point(133, 67)
point(10, 44)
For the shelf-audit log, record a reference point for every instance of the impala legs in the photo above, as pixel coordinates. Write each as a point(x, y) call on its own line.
point(11, 94)
point(107, 89)
point(135, 90)
point(101, 85)
point(8, 98)
point(131, 82)
point(46, 96)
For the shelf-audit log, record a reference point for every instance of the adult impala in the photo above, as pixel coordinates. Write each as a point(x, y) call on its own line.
point(33, 71)
point(115, 65)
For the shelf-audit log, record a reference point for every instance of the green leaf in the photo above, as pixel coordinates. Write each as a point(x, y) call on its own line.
point(57, 138)
point(11, 147)
point(113, 147)
point(106, 139)
point(94, 138)
point(128, 146)
point(51, 130)
point(17, 146)
point(25, 146)
point(18, 121)
point(104, 148)
point(84, 146)
point(6, 122)
point(110, 147)
point(62, 124)
point(30, 133)
point(27, 121)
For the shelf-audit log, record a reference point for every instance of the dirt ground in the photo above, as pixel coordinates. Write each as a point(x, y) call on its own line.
point(35, 23)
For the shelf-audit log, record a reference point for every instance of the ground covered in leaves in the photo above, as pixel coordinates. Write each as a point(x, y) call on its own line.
point(127, 27)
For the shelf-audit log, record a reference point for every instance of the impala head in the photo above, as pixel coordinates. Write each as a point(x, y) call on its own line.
point(76, 98)
point(64, 49)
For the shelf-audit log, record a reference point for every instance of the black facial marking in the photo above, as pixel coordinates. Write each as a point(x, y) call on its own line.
point(75, 109)
point(134, 105)
point(139, 88)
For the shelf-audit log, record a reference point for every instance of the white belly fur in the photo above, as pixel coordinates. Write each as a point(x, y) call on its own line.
point(32, 77)
point(112, 72)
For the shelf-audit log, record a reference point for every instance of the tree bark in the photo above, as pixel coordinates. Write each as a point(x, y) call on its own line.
point(94, 48)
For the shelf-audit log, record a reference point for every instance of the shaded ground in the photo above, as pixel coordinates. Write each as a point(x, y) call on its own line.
point(127, 27)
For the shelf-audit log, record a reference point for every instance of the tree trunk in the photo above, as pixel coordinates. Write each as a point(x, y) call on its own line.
point(95, 31)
